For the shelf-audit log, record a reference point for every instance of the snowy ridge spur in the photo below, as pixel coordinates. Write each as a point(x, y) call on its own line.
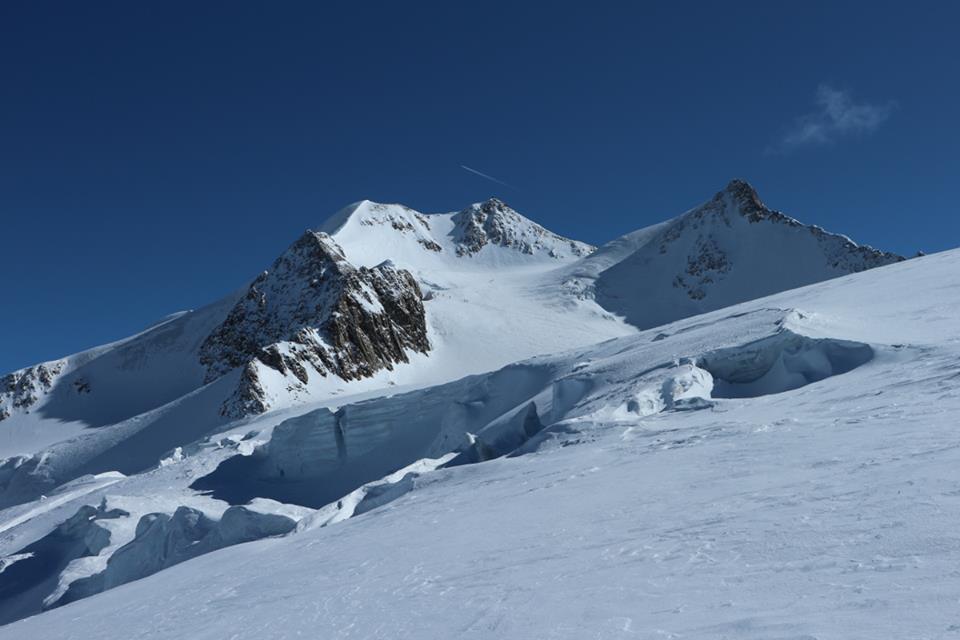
point(313, 311)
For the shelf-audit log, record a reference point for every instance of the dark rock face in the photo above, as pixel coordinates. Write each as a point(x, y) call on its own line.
point(22, 389)
point(249, 397)
point(430, 245)
point(493, 222)
point(313, 310)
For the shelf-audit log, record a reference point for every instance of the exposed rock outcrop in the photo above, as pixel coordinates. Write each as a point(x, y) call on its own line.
point(314, 311)
point(493, 222)
point(22, 389)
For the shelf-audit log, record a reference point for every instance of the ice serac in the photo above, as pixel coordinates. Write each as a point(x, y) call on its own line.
point(493, 222)
point(731, 249)
point(163, 540)
point(26, 582)
point(314, 312)
point(722, 467)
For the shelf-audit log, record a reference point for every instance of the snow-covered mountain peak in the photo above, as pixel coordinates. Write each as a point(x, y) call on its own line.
point(730, 249)
point(492, 222)
point(484, 234)
point(742, 195)
point(738, 198)
point(314, 311)
point(373, 214)
point(339, 380)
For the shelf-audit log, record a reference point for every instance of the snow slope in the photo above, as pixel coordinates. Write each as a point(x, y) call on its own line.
point(124, 461)
point(731, 249)
point(482, 271)
point(784, 468)
point(123, 406)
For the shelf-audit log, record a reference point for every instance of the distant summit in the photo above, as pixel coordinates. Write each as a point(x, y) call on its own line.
point(492, 222)
point(743, 194)
point(490, 229)
point(730, 249)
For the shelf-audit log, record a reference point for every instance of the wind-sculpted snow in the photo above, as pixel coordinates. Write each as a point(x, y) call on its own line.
point(348, 460)
point(322, 455)
point(781, 363)
point(163, 540)
point(65, 549)
point(26, 583)
point(816, 500)
point(316, 458)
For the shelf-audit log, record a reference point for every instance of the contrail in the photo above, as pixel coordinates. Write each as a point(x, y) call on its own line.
point(483, 175)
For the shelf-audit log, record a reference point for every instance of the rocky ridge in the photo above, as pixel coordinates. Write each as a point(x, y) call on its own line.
point(492, 222)
point(313, 311)
point(22, 389)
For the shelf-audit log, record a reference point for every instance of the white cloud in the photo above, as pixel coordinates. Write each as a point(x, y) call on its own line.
point(837, 116)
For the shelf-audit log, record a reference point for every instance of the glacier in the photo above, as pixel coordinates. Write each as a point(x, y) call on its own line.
point(578, 455)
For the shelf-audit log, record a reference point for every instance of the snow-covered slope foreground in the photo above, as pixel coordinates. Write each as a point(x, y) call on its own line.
point(785, 468)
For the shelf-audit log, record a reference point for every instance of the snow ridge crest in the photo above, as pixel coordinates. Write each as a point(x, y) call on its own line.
point(493, 222)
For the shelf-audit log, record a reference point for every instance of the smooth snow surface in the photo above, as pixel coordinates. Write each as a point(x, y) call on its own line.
point(782, 469)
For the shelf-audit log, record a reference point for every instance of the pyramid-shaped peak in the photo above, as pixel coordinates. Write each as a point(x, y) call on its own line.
point(738, 185)
point(316, 245)
point(494, 206)
point(494, 222)
point(743, 194)
point(494, 203)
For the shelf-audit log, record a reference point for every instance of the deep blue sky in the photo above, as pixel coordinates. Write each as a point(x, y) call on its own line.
point(155, 155)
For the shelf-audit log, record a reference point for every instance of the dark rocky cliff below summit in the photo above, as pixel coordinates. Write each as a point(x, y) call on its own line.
point(312, 313)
